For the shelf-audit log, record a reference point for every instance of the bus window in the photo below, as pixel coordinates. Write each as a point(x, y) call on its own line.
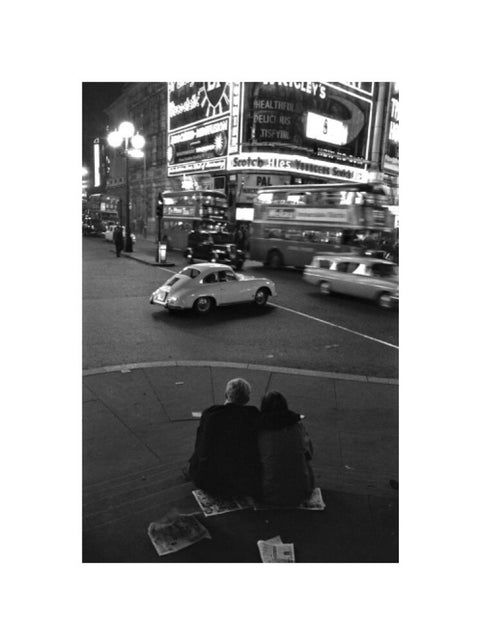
point(274, 233)
point(298, 199)
point(293, 234)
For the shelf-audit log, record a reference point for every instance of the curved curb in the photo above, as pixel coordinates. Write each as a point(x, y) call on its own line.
point(239, 365)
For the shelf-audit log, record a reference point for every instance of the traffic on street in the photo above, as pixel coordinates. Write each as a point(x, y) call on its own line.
point(240, 279)
point(299, 328)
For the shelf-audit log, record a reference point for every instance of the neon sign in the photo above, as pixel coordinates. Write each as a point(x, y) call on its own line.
point(189, 103)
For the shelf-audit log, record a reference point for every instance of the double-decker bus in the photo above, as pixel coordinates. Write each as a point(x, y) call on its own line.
point(291, 223)
point(188, 210)
point(99, 210)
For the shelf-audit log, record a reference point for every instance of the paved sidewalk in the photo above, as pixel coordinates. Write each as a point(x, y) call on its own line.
point(139, 430)
point(145, 252)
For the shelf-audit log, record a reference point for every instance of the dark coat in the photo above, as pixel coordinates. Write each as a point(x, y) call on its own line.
point(225, 459)
point(285, 451)
point(118, 238)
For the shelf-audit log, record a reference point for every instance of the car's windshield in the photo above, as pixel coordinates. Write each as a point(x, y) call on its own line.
point(384, 270)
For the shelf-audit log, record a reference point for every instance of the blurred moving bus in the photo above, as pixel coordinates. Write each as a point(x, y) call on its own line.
point(187, 210)
point(291, 223)
point(99, 210)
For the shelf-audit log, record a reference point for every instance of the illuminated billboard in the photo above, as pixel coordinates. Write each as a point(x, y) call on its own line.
point(198, 126)
point(330, 122)
point(311, 128)
point(393, 123)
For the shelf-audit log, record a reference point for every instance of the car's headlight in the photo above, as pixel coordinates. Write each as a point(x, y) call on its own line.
point(172, 299)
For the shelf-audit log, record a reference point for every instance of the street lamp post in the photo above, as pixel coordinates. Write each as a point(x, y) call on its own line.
point(132, 147)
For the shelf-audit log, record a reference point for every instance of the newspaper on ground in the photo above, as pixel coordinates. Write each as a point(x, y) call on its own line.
point(212, 505)
point(176, 531)
point(315, 502)
point(275, 551)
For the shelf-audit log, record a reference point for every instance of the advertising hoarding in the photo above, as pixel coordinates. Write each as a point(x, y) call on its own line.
point(308, 128)
point(393, 123)
point(325, 121)
point(265, 162)
point(198, 126)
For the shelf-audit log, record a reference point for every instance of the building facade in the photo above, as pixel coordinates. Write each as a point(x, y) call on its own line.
point(241, 136)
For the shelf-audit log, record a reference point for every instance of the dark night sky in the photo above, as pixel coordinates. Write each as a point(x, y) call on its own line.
point(95, 98)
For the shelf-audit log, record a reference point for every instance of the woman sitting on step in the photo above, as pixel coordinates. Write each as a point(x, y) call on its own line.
point(285, 454)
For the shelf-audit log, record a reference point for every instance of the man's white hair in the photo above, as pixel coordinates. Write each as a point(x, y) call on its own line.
point(238, 391)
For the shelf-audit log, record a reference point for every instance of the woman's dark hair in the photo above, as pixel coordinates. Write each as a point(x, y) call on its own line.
point(274, 401)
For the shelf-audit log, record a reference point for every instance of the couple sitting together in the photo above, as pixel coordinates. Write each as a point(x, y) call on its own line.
point(241, 451)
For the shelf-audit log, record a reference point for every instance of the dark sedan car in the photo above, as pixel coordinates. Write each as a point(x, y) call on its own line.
point(215, 247)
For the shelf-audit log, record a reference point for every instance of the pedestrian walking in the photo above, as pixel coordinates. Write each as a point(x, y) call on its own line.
point(118, 239)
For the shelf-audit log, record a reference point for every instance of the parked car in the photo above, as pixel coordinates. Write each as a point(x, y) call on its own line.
point(218, 247)
point(205, 286)
point(360, 276)
point(110, 229)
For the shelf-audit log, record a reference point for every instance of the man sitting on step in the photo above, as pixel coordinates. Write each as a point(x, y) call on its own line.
point(225, 461)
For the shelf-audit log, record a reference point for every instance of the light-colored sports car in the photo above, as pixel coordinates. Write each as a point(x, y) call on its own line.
point(203, 286)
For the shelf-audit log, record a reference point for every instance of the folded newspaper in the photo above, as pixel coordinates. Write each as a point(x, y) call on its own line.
point(212, 505)
point(315, 502)
point(176, 531)
point(275, 551)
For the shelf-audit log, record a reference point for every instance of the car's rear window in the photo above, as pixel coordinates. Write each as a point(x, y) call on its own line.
point(189, 272)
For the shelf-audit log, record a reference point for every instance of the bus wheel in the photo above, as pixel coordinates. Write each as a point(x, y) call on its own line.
point(325, 288)
point(261, 297)
point(203, 305)
point(274, 259)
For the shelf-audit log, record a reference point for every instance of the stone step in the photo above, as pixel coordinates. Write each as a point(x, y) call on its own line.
point(134, 490)
point(155, 500)
point(118, 483)
point(355, 481)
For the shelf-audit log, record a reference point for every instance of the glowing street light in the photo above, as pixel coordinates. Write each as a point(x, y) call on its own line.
point(132, 147)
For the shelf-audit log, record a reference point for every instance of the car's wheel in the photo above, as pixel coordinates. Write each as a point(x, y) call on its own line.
point(325, 288)
point(203, 305)
point(385, 300)
point(261, 297)
point(274, 259)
